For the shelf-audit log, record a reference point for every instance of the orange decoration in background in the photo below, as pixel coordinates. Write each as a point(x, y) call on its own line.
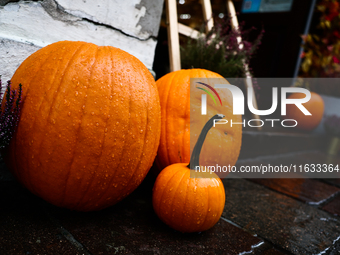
point(315, 106)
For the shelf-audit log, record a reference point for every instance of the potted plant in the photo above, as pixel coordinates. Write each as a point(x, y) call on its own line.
point(220, 50)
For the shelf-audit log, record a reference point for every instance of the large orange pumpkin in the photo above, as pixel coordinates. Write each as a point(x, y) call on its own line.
point(89, 127)
point(224, 143)
point(189, 200)
point(315, 106)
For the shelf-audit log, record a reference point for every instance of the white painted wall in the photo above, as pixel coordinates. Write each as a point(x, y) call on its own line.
point(26, 26)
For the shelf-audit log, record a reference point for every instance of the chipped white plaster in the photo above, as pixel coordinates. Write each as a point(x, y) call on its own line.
point(122, 15)
point(27, 26)
point(12, 55)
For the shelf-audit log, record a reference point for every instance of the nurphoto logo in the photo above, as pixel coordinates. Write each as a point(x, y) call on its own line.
point(239, 102)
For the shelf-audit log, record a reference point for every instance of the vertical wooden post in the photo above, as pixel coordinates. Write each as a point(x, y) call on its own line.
point(173, 38)
point(249, 83)
point(207, 15)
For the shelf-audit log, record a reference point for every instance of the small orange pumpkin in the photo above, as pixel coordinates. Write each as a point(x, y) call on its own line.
point(315, 106)
point(189, 200)
point(89, 127)
point(174, 92)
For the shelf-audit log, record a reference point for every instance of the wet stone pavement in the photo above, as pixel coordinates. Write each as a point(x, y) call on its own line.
point(261, 216)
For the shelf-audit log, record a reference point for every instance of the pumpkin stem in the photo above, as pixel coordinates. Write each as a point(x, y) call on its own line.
point(195, 156)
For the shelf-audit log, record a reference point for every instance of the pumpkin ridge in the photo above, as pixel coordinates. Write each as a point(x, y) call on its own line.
point(164, 188)
point(77, 132)
point(165, 119)
point(114, 174)
point(206, 215)
point(145, 135)
point(217, 217)
point(101, 152)
point(122, 152)
point(14, 164)
point(76, 143)
point(186, 197)
point(44, 99)
point(168, 123)
point(105, 125)
point(156, 145)
point(185, 115)
point(172, 219)
point(29, 173)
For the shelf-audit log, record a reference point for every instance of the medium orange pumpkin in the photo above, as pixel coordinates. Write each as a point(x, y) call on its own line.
point(315, 106)
point(189, 200)
point(89, 127)
point(174, 147)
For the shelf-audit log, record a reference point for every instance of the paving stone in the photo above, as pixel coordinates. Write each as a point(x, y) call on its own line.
point(307, 190)
point(283, 221)
point(333, 206)
point(335, 182)
point(273, 251)
point(25, 229)
point(131, 227)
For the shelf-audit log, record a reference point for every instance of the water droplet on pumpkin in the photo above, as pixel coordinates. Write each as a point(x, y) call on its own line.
point(76, 93)
point(97, 124)
point(141, 131)
point(92, 113)
point(83, 106)
point(69, 113)
point(110, 97)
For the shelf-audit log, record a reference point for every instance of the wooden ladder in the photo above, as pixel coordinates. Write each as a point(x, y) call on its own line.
point(174, 28)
